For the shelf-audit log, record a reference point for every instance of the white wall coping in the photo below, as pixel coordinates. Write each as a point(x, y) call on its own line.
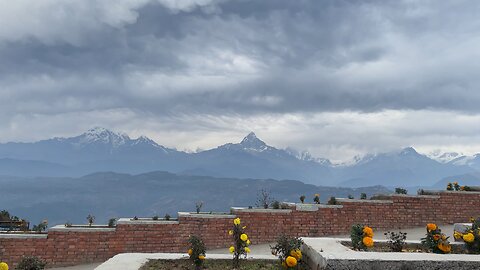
point(323, 249)
point(205, 215)
point(363, 201)
point(416, 196)
point(23, 235)
point(261, 210)
point(83, 228)
point(141, 221)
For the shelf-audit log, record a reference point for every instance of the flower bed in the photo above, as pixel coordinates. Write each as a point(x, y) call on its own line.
point(410, 247)
point(209, 264)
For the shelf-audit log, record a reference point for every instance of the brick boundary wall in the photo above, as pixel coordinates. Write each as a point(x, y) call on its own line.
point(70, 246)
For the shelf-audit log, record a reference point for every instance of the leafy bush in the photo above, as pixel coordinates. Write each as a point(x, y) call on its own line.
point(435, 240)
point(240, 242)
point(302, 199)
point(167, 217)
point(400, 191)
point(450, 187)
point(396, 241)
point(197, 251)
point(276, 205)
point(42, 226)
point(155, 217)
point(471, 237)
point(363, 196)
point(316, 198)
point(264, 199)
point(288, 251)
point(112, 222)
point(198, 206)
point(31, 263)
point(332, 201)
point(350, 196)
point(361, 236)
point(90, 220)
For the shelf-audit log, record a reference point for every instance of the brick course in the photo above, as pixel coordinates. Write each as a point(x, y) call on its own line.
point(67, 247)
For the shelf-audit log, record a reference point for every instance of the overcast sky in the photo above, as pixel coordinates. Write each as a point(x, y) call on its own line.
point(336, 78)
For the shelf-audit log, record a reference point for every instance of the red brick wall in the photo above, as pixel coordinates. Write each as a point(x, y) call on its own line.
point(63, 247)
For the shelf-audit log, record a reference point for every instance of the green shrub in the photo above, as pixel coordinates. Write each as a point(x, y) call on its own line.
point(361, 236)
point(155, 217)
point(167, 217)
point(350, 196)
point(112, 222)
point(197, 251)
point(302, 199)
point(363, 196)
point(288, 247)
point(332, 201)
point(276, 205)
point(400, 191)
point(31, 263)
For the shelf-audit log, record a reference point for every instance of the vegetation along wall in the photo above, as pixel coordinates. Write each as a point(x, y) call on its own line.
point(64, 246)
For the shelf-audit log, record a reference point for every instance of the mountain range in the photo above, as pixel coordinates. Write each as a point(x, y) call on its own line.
point(100, 149)
point(106, 195)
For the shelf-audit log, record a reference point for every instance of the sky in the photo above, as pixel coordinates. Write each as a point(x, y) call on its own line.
point(337, 78)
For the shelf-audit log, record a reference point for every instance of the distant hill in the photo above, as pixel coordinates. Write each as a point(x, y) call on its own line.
point(100, 149)
point(108, 194)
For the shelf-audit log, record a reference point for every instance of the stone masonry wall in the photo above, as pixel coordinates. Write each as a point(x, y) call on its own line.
point(70, 246)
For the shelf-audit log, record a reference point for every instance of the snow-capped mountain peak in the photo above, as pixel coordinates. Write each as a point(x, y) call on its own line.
point(444, 157)
point(251, 141)
point(103, 135)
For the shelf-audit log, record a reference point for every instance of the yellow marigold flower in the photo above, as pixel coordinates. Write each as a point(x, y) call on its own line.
point(436, 237)
point(458, 235)
point(201, 257)
point(230, 232)
point(3, 266)
point(248, 242)
point(368, 241)
point(236, 221)
point(232, 249)
point(431, 227)
point(190, 251)
point(296, 253)
point(291, 261)
point(368, 231)
point(446, 248)
point(244, 237)
point(247, 250)
point(469, 237)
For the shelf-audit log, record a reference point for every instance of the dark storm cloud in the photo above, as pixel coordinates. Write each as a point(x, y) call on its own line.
point(252, 57)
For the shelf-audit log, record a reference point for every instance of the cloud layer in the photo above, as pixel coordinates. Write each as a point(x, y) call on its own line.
point(205, 71)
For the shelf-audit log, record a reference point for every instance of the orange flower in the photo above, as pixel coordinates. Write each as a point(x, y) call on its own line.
point(446, 248)
point(291, 261)
point(201, 257)
point(431, 227)
point(368, 231)
point(190, 251)
point(368, 241)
